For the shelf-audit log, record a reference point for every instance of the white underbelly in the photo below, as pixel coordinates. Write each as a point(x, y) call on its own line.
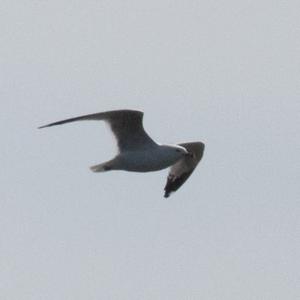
point(144, 162)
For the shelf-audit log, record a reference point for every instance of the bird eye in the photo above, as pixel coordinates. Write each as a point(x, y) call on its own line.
point(177, 150)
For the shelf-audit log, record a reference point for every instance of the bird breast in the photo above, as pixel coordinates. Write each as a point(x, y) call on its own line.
point(146, 161)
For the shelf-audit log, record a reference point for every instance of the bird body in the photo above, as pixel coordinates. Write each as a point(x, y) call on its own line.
point(155, 159)
point(139, 153)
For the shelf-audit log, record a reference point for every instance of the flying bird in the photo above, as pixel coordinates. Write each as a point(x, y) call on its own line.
point(139, 153)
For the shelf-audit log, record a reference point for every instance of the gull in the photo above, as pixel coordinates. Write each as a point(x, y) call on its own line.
point(139, 153)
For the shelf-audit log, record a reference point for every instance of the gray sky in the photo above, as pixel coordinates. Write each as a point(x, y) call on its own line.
point(223, 72)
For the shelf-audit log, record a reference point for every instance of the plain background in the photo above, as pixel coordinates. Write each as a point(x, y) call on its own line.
point(223, 72)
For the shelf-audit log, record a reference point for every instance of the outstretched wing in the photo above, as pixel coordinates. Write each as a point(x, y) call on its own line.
point(183, 169)
point(126, 125)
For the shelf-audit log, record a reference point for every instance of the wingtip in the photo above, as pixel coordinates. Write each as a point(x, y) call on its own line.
point(44, 126)
point(166, 195)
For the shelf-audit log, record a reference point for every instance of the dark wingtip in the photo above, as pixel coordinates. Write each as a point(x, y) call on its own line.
point(167, 194)
point(51, 124)
point(44, 126)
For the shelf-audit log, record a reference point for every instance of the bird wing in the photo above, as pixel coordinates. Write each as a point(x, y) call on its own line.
point(183, 169)
point(126, 125)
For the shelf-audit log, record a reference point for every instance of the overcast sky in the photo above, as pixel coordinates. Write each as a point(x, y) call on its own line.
point(222, 72)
